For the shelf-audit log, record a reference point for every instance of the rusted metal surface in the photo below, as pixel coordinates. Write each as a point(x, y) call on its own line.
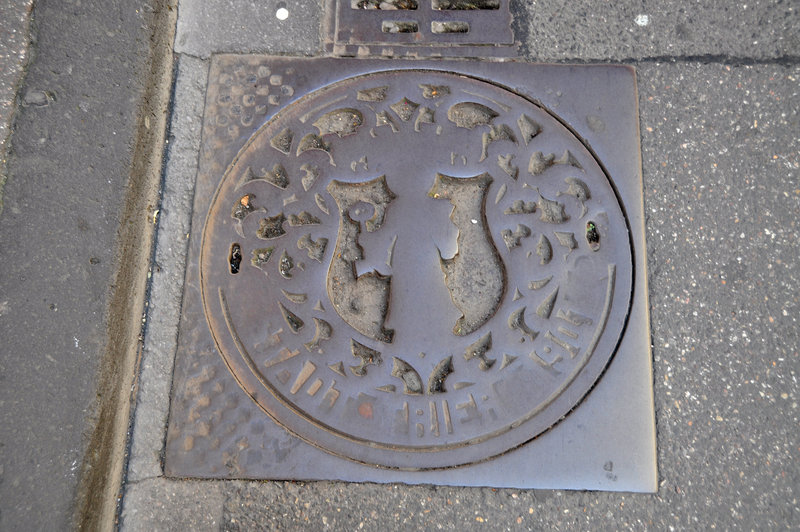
point(409, 267)
point(419, 28)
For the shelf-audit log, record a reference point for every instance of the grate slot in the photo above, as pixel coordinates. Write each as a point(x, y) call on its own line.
point(399, 26)
point(450, 26)
point(385, 5)
point(464, 5)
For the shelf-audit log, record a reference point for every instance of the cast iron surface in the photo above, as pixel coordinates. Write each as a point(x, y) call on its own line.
point(408, 266)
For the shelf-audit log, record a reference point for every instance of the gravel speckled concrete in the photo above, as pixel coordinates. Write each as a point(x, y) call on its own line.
point(723, 160)
point(612, 30)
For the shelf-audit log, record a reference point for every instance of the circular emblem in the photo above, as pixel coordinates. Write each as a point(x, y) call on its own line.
point(416, 269)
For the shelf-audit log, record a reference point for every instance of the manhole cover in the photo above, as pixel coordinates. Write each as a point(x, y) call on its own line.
point(416, 269)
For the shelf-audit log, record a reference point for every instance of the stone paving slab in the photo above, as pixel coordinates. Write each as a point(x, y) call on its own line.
point(720, 166)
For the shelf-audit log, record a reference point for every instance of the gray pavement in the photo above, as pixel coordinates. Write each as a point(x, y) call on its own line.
point(69, 168)
point(719, 105)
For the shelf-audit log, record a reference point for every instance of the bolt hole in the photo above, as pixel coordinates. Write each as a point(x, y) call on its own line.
point(235, 258)
point(281, 13)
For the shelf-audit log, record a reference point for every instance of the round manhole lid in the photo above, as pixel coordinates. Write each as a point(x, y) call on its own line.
point(416, 269)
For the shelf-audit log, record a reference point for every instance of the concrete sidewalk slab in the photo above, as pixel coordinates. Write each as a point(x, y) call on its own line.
point(608, 30)
point(177, 505)
point(215, 26)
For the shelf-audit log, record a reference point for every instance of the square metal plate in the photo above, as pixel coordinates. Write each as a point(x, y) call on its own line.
point(416, 271)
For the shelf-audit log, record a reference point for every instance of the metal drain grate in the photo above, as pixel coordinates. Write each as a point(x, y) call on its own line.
point(423, 28)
